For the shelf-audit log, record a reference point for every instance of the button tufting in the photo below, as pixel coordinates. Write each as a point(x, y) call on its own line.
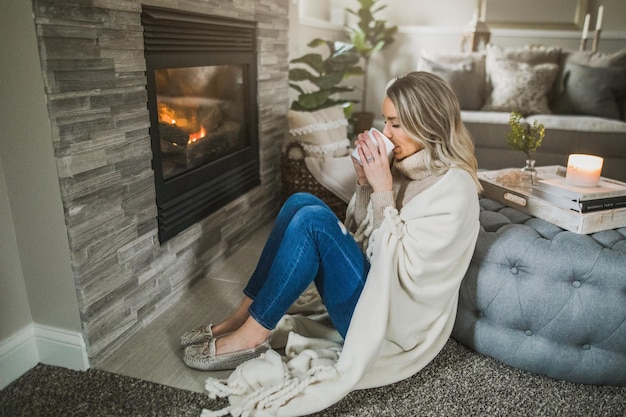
point(576, 284)
point(586, 346)
point(514, 271)
point(528, 332)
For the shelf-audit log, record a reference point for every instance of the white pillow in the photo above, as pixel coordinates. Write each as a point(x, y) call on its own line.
point(320, 132)
point(520, 87)
point(529, 54)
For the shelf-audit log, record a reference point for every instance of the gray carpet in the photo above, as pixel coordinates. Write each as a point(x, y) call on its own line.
point(458, 382)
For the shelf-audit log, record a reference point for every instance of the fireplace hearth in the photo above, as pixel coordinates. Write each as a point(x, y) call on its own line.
point(202, 89)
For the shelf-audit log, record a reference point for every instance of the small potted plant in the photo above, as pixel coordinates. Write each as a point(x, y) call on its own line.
point(526, 140)
point(369, 36)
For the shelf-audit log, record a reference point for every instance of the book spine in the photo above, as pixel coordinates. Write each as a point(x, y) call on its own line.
point(557, 199)
point(586, 206)
point(608, 194)
point(550, 188)
point(602, 204)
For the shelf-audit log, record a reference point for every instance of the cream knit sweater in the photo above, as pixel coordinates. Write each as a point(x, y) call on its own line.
point(420, 239)
point(410, 177)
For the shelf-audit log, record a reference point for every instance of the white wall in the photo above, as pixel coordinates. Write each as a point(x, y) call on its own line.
point(424, 24)
point(38, 304)
point(14, 305)
point(400, 12)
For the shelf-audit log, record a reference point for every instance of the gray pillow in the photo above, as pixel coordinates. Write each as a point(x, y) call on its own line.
point(596, 59)
point(593, 91)
point(467, 83)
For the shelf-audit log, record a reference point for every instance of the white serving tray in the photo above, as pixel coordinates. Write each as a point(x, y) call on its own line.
point(505, 187)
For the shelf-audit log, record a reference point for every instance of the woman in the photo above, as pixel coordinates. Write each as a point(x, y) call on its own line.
point(390, 286)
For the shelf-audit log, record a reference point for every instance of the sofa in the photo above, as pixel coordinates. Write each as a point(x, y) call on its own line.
point(546, 300)
point(580, 98)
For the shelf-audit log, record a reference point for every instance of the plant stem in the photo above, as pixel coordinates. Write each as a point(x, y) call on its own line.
point(365, 72)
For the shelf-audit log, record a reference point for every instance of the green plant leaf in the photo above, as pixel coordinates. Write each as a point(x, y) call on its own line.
point(300, 74)
point(340, 63)
point(328, 81)
point(353, 71)
point(317, 42)
point(370, 35)
point(296, 87)
point(313, 101)
point(335, 90)
point(315, 61)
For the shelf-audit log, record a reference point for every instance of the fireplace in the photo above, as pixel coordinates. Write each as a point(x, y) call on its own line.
point(93, 65)
point(202, 90)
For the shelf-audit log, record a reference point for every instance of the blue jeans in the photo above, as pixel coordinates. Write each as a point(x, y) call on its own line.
point(307, 243)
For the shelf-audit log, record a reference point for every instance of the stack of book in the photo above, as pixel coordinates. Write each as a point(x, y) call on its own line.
point(607, 195)
point(580, 210)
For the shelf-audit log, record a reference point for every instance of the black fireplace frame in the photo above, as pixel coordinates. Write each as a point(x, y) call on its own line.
point(175, 39)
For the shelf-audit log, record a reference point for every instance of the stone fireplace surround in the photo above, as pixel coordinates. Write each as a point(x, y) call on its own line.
point(93, 67)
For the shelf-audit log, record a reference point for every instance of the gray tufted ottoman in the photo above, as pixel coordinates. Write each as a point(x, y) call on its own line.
point(545, 300)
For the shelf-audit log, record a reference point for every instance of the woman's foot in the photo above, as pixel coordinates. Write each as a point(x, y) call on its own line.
point(196, 336)
point(209, 356)
point(210, 331)
point(231, 350)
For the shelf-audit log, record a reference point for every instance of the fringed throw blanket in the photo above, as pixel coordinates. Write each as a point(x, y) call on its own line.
point(403, 318)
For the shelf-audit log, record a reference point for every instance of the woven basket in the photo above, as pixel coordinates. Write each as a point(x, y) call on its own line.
point(296, 178)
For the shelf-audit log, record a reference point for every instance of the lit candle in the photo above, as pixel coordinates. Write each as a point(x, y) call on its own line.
point(586, 26)
point(583, 170)
point(599, 21)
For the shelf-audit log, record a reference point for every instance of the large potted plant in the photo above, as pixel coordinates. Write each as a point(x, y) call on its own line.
point(317, 79)
point(317, 120)
point(369, 36)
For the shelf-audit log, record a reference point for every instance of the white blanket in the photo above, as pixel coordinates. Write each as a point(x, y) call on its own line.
point(401, 322)
point(335, 173)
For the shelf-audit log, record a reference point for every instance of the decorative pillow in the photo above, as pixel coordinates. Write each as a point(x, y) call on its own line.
point(565, 101)
point(589, 90)
point(596, 59)
point(520, 87)
point(464, 71)
point(320, 132)
point(530, 54)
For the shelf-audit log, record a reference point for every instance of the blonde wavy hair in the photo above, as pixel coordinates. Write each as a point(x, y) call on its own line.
point(429, 112)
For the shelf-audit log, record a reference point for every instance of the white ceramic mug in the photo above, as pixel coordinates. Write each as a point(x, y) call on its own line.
point(388, 145)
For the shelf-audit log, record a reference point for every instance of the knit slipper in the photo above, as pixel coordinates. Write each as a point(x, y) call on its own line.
point(203, 357)
point(199, 335)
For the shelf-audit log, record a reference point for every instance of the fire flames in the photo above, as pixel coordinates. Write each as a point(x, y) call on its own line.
point(166, 117)
point(193, 137)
